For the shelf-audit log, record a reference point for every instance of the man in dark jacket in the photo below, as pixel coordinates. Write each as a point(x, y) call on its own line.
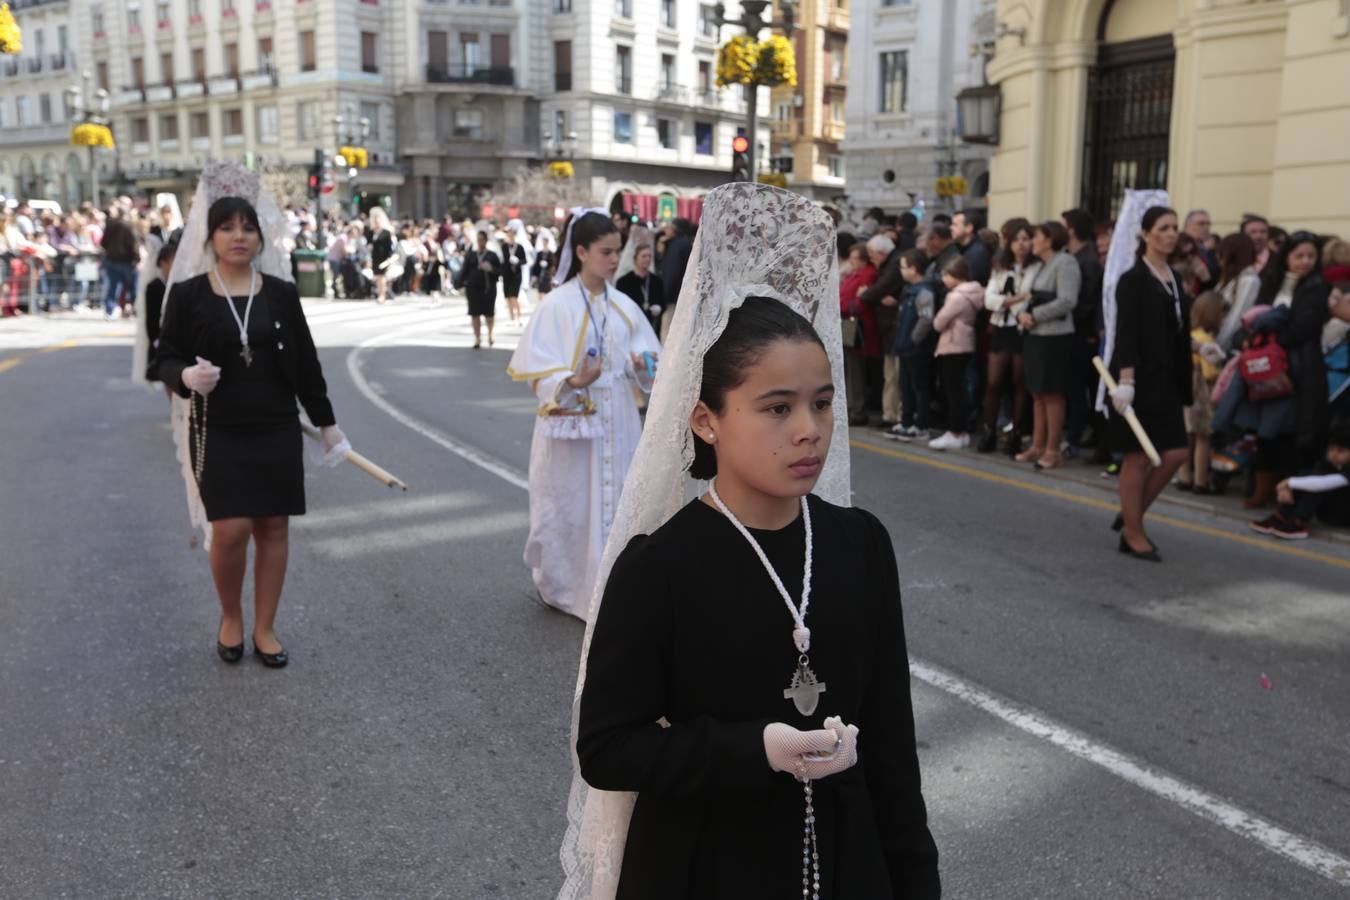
point(907, 224)
point(674, 260)
point(884, 298)
point(966, 226)
point(1087, 329)
point(121, 252)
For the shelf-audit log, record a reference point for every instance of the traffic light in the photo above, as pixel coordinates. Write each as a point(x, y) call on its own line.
point(316, 175)
point(740, 158)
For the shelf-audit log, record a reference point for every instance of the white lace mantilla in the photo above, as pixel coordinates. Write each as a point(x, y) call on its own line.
point(753, 241)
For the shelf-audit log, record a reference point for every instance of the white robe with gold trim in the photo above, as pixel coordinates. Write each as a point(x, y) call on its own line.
point(578, 463)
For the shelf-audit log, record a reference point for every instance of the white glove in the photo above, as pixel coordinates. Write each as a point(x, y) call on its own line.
point(335, 445)
point(655, 309)
point(1122, 396)
point(1212, 354)
point(811, 754)
point(202, 378)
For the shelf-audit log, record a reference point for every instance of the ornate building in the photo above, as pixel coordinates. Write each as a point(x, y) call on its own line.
point(808, 120)
point(1232, 105)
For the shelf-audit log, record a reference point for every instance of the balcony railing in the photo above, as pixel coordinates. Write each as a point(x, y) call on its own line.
point(463, 73)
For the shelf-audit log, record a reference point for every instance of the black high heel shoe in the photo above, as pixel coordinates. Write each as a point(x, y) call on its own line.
point(1118, 524)
point(230, 654)
point(1150, 554)
point(271, 660)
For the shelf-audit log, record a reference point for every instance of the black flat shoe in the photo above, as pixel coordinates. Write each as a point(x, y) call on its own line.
point(1118, 523)
point(271, 660)
point(230, 654)
point(1151, 554)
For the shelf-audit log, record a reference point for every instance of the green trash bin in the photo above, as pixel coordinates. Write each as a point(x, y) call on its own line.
point(311, 272)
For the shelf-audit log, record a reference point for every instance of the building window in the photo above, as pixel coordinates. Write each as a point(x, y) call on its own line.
point(138, 73)
point(102, 76)
point(623, 128)
point(707, 21)
point(265, 54)
point(198, 64)
point(894, 78)
point(162, 14)
point(166, 68)
point(703, 138)
point(783, 112)
point(560, 125)
point(307, 60)
point(133, 20)
point(45, 108)
point(623, 9)
point(232, 60)
point(371, 113)
point(96, 19)
point(269, 129)
point(199, 126)
point(837, 62)
point(501, 51)
point(562, 65)
point(227, 8)
point(562, 6)
point(704, 77)
point(623, 69)
point(836, 110)
point(194, 10)
point(469, 124)
point(469, 51)
point(369, 60)
point(307, 120)
point(667, 72)
point(21, 111)
point(168, 127)
point(667, 132)
point(62, 39)
point(668, 17)
point(140, 130)
point(232, 122)
point(438, 51)
point(836, 165)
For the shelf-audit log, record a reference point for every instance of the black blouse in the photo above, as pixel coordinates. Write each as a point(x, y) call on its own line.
point(693, 631)
point(285, 361)
point(633, 285)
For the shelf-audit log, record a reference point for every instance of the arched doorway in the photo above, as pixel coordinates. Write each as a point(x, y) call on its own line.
point(1129, 103)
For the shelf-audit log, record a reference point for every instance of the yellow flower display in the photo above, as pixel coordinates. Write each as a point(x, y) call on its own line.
point(89, 134)
point(770, 62)
point(11, 37)
point(561, 169)
point(354, 157)
point(776, 179)
point(951, 186)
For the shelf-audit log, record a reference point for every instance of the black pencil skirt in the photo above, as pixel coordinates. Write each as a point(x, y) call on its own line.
point(253, 473)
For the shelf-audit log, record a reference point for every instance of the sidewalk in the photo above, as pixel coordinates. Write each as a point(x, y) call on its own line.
point(1085, 474)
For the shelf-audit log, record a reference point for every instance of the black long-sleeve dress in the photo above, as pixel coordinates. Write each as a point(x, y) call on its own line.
point(692, 630)
point(513, 269)
point(154, 311)
point(1157, 344)
point(479, 277)
point(253, 463)
point(647, 292)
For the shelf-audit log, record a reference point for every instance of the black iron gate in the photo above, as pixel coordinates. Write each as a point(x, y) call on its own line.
point(1129, 119)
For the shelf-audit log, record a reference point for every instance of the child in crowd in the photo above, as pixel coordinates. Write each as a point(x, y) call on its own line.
point(1324, 495)
point(955, 324)
point(1207, 358)
point(914, 325)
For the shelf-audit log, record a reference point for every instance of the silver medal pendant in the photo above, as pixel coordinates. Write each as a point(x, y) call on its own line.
point(804, 690)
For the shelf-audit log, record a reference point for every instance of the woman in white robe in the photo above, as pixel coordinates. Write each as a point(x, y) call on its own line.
point(583, 355)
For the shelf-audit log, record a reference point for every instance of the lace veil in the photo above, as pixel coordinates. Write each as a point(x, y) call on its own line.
point(753, 240)
point(1120, 258)
point(195, 257)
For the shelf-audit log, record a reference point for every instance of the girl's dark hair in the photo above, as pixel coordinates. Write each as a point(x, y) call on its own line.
point(1272, 277)
point(958, 268)
point(1235, 252)
point(1151, 217)
point(751, 328)
point(1010, 230)
point(1055, 233)
point(227, 209)
point(586, 230)
point(166, 253)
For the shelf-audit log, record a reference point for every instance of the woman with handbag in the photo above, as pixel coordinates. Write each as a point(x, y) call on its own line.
point(1151, 363)
point(858, 329)
point(1047, 323)
point(1006, 297)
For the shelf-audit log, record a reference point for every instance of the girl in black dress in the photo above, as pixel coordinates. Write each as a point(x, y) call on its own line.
point(381, 250)
point(235, 343)
point(513, 273)
point(479, 277)
point(1152, 367)
point(689, 695)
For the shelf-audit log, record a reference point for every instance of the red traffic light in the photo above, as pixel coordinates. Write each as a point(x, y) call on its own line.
point(314, 181)
point(740, 144)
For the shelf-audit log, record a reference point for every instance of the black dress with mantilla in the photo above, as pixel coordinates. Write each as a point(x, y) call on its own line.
point(253, 464)
point(693, 631)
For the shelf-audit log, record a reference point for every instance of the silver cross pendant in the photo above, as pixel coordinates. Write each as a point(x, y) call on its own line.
point(247, 355)
point(804, 690)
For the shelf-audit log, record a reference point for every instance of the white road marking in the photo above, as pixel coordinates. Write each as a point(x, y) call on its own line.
point(1303, 851)
point(1306, 853)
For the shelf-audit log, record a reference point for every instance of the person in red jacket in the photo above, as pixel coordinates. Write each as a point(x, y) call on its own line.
point(861, 339)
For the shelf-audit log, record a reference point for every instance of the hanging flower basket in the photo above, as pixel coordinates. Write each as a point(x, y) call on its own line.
point(355, 157)
point(11, 38)
point(92, 135)
point(770, 62)
point(562, 169)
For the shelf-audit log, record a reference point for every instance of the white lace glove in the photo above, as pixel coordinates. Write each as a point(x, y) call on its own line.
point(202, 378)
point(655, 309)
point(811, 754)
point(335, 445)
point(1122, 396)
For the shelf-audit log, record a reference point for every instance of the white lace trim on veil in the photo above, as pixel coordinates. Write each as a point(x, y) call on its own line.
point(753, 240)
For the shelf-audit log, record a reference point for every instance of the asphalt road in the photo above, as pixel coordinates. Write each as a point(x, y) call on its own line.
point(417, 744)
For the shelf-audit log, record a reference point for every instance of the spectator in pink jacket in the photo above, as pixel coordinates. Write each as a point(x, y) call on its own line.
point(955, 325)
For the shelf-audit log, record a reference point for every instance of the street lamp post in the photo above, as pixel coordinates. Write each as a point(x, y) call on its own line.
point(95, 113)
point(752, 21)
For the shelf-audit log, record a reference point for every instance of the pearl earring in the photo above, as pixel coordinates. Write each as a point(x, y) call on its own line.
point(711, 437)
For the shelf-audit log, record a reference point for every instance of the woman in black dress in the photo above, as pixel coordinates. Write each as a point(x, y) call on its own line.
point(381, 250)
point(644, 287)
point(1151, 363)
point(479, 277)
point(235, 342)
point(154, 307)
point(513, 273)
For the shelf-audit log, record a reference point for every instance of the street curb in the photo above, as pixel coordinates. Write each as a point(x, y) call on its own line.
point(999, 460)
